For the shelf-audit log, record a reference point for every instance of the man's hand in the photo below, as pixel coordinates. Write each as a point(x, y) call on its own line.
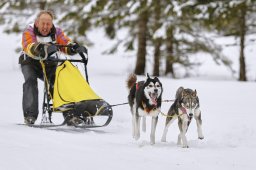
point(51, 49)
point(44, 50)
point(76, 48)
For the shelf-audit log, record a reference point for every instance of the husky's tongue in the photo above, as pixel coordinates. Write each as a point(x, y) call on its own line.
point(153, 97)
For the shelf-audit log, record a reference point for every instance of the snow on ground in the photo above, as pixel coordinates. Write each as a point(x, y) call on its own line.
point(227, 113)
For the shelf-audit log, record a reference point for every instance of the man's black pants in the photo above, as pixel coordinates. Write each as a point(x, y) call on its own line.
point(31, 73)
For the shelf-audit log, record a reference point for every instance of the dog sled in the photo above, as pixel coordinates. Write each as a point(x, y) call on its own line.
point(72, 96)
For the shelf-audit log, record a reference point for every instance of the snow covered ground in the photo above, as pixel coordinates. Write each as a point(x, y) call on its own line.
point(227, 112)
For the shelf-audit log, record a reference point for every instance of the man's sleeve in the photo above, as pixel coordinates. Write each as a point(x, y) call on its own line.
point(62, 39)
point(29, 42)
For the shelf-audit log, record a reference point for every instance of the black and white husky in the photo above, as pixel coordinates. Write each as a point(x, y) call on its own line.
point(144, 100)
point(185, 107)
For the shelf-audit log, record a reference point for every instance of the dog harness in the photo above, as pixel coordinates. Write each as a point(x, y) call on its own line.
point(147, 109)
point(185, 112)
point(137, 86)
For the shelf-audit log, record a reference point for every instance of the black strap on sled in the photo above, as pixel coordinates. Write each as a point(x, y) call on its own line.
point(85, 61)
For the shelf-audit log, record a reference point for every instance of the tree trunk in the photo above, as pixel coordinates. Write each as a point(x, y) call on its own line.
point(142, 42)
point(42, 5)
point(242, 70)
point(157, 54)
point(169, 48)
point(157, 41)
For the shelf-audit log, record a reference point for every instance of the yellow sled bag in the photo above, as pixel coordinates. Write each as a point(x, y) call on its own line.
point(70, 86)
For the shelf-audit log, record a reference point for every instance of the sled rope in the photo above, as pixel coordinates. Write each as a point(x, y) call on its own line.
point(113, 105)
point(168, 100)
point(119, 104)
point(46, 79)
point(166, 115)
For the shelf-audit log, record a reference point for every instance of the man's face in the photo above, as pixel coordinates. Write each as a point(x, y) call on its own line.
point(44, 24)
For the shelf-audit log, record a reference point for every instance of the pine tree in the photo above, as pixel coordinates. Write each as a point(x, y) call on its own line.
point(181, 25)
point(238, 19)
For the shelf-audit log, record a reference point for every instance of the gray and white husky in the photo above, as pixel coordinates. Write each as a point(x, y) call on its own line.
point(145, 100)
point(185, 107)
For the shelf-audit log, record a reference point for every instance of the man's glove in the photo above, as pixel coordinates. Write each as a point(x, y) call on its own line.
point(51, 49)
point(43, 50)
point(76, 48)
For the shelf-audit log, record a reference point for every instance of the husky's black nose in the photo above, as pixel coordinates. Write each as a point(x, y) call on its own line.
point(190, 114)
point(155, 90)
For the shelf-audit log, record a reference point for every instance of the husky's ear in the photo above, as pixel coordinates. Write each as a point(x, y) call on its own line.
point(148, 76)
point(195, 93)
point(184, 93)
point(179, 92)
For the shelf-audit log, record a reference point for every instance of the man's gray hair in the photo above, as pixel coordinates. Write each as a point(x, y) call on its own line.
point(45, 12)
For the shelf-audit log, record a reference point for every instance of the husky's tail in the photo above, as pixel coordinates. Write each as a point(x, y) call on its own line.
point(131, 80)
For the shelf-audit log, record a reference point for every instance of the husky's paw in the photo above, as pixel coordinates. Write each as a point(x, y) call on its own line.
point(163, 139)
point(136, 137)
point(185, 146)
point(152, 142)
point(201, 137)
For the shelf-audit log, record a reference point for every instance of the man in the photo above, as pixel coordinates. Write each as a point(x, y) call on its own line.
point(38, 43)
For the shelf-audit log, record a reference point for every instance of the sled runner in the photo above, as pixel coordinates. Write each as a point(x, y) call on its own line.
point(72, 96)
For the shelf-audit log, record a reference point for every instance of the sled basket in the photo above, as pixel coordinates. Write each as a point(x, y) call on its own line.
point(73, 95)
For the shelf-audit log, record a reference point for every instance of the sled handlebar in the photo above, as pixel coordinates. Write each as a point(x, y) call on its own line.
point(84, 58)
point(70, 46)
point(62, 60)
